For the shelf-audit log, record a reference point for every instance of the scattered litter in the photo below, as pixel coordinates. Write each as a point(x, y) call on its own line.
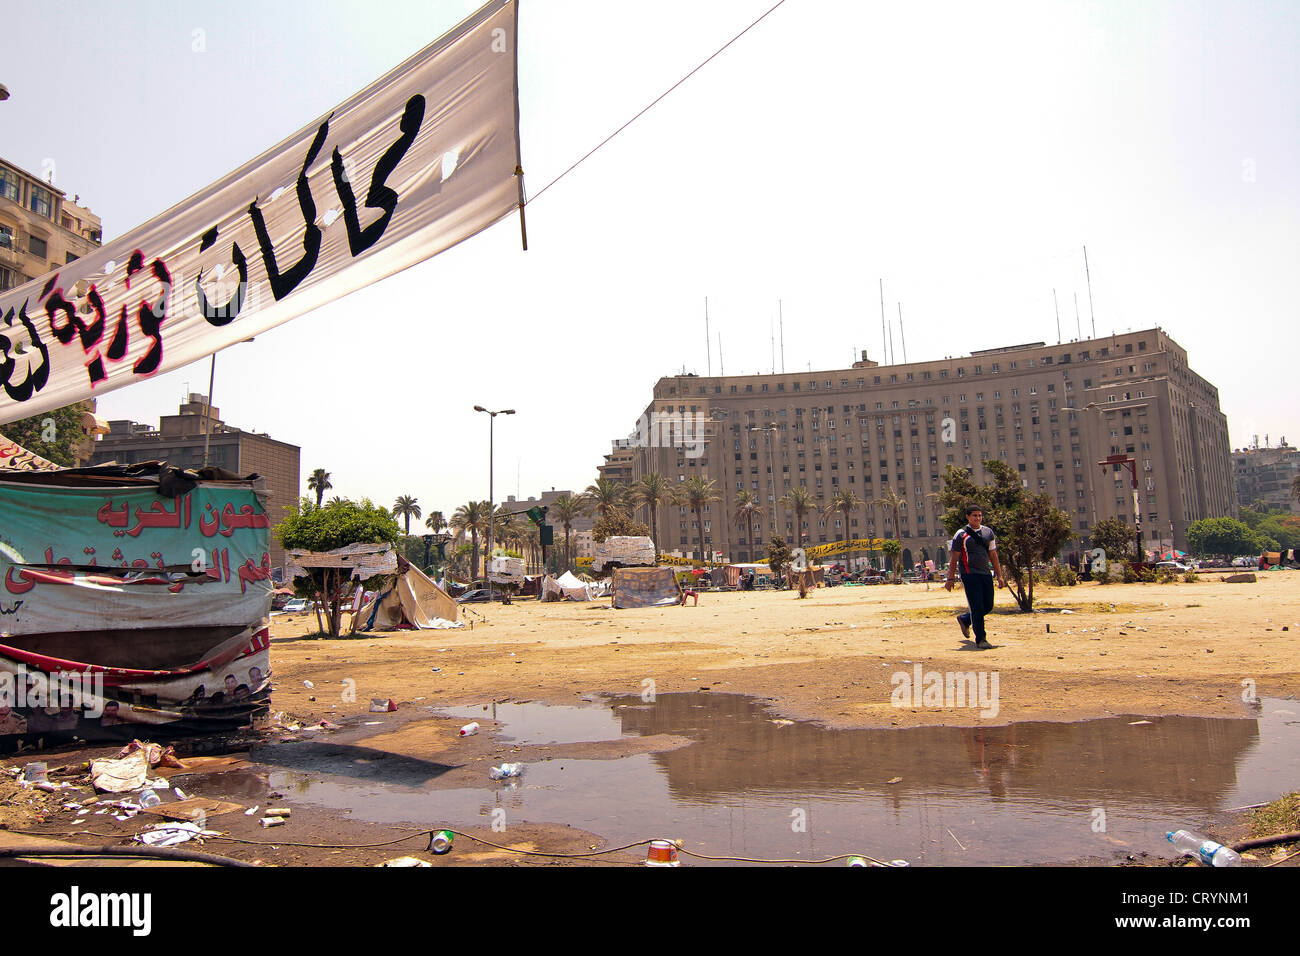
point(1066, 610)
point(170, 834)
point(382, 705)
point(309, 685)
point(120, 776)
point(405, 861)
point(1138, 723)
point(279, 812)
point(180, 794)
point(469, 729)
point(894, 780)
point(372, 723)
point(330, 725)
point(251, 810)
point(782, 722)
point(148, 798)
point(271, 822)
point(35, 772)
point(506, 770)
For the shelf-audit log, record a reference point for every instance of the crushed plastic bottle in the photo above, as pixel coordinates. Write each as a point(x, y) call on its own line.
point(1191, 843)
point(506, 770)
point(469, 729)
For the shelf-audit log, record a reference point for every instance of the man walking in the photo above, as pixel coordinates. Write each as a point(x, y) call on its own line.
point(975, 548)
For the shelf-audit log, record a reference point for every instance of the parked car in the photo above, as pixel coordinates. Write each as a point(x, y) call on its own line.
point(296, 606)
point(481, 595)
point(1173, 565)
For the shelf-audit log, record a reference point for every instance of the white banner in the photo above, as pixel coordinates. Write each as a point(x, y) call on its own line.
point(422, 159)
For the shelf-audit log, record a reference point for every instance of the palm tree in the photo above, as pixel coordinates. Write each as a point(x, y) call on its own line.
point(607, 496)
point(319, 482)
point(505, 526)
point(748, 510)
point(895, 502)
point(696, 494)
point(471, 518)
point(845, 502)
point(407, 507)
point(566, 509)
point(653, 490)
point(800, 501)
point(435, 522)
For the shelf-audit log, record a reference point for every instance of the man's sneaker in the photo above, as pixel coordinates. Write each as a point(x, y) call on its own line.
point(982, 645)
point(965, 628)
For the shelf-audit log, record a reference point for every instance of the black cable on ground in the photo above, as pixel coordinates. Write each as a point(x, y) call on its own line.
point(146, 852)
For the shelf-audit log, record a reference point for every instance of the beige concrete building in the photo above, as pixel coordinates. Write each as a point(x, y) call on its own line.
point(40, 228)
point(1053, 412)
point(179, 440)
point(1267, 475)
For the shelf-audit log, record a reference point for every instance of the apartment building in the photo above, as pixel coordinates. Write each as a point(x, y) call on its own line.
point(40, 228)
point(1052, 411)
point(1267, 475)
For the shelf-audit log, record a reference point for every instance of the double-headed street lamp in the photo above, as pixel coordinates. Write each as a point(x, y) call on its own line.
point(491, 472)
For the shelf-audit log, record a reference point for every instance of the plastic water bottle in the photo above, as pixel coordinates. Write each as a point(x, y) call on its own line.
point(469, 729)
point(1190, 843)
point(149, 799)
point(506, 770)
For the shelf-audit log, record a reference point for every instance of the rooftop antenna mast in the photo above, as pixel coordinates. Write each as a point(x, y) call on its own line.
point(1077, 324)
point(722, 369)
point(891, 343)
point(883, 342)
point(707, 347)
point(901, 334)
point(781, 313)
point(1058, 317)
point(1088, 276)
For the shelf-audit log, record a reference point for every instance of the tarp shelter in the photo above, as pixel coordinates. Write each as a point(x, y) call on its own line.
point(133, 595)
point(412, 601)
point(568, 587)
point(645, 587)
point(734, 572)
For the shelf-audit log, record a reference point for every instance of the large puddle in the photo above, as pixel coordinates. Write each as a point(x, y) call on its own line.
point(752, 785)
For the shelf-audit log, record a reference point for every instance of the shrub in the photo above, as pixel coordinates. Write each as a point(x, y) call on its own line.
point(1166, 576)
point(1191, 577)
point(1138, 575)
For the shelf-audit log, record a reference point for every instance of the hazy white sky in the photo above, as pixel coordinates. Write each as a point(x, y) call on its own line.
point(962, 152)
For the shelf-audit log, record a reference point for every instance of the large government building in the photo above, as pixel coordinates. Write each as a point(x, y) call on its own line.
point(1054, 412)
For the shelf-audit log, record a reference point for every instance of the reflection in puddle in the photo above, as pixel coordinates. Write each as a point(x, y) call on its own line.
point(752, 785)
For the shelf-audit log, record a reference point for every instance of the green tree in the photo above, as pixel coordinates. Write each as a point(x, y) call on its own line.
point(696, 494)
point(845, 502)
point(800, 502)
point(1223, 536)
point(333, 526)
point(471, 518)
point(56, 435)
point(1029, 527)
point(1115, 537)
point(893, 549)
point(435, 522)
point(895, 502)
point(778, 554)
point(653, 490)
point(407, 507)
point(319, 482)
point(618, 523)
point(565, 510)
point(748, 509)
point(606, 496)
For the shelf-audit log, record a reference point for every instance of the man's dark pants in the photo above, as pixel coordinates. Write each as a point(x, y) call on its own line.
point(979, 595)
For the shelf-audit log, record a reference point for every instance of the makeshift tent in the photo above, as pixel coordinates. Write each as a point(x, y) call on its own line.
point(568, 587)
point(734, 572)
point(645, 587)
point(412, 601)
point(138, 594)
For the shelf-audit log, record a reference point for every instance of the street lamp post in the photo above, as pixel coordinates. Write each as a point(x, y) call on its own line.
point(492, 419)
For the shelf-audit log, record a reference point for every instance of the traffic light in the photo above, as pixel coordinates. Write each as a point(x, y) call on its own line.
point(537, 515)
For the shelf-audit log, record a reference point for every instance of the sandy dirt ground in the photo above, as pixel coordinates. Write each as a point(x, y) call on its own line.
point(1195, 649)
point(1146, 649)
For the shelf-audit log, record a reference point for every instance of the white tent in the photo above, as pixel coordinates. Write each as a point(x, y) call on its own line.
point(412, 600)
point(568, 587)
